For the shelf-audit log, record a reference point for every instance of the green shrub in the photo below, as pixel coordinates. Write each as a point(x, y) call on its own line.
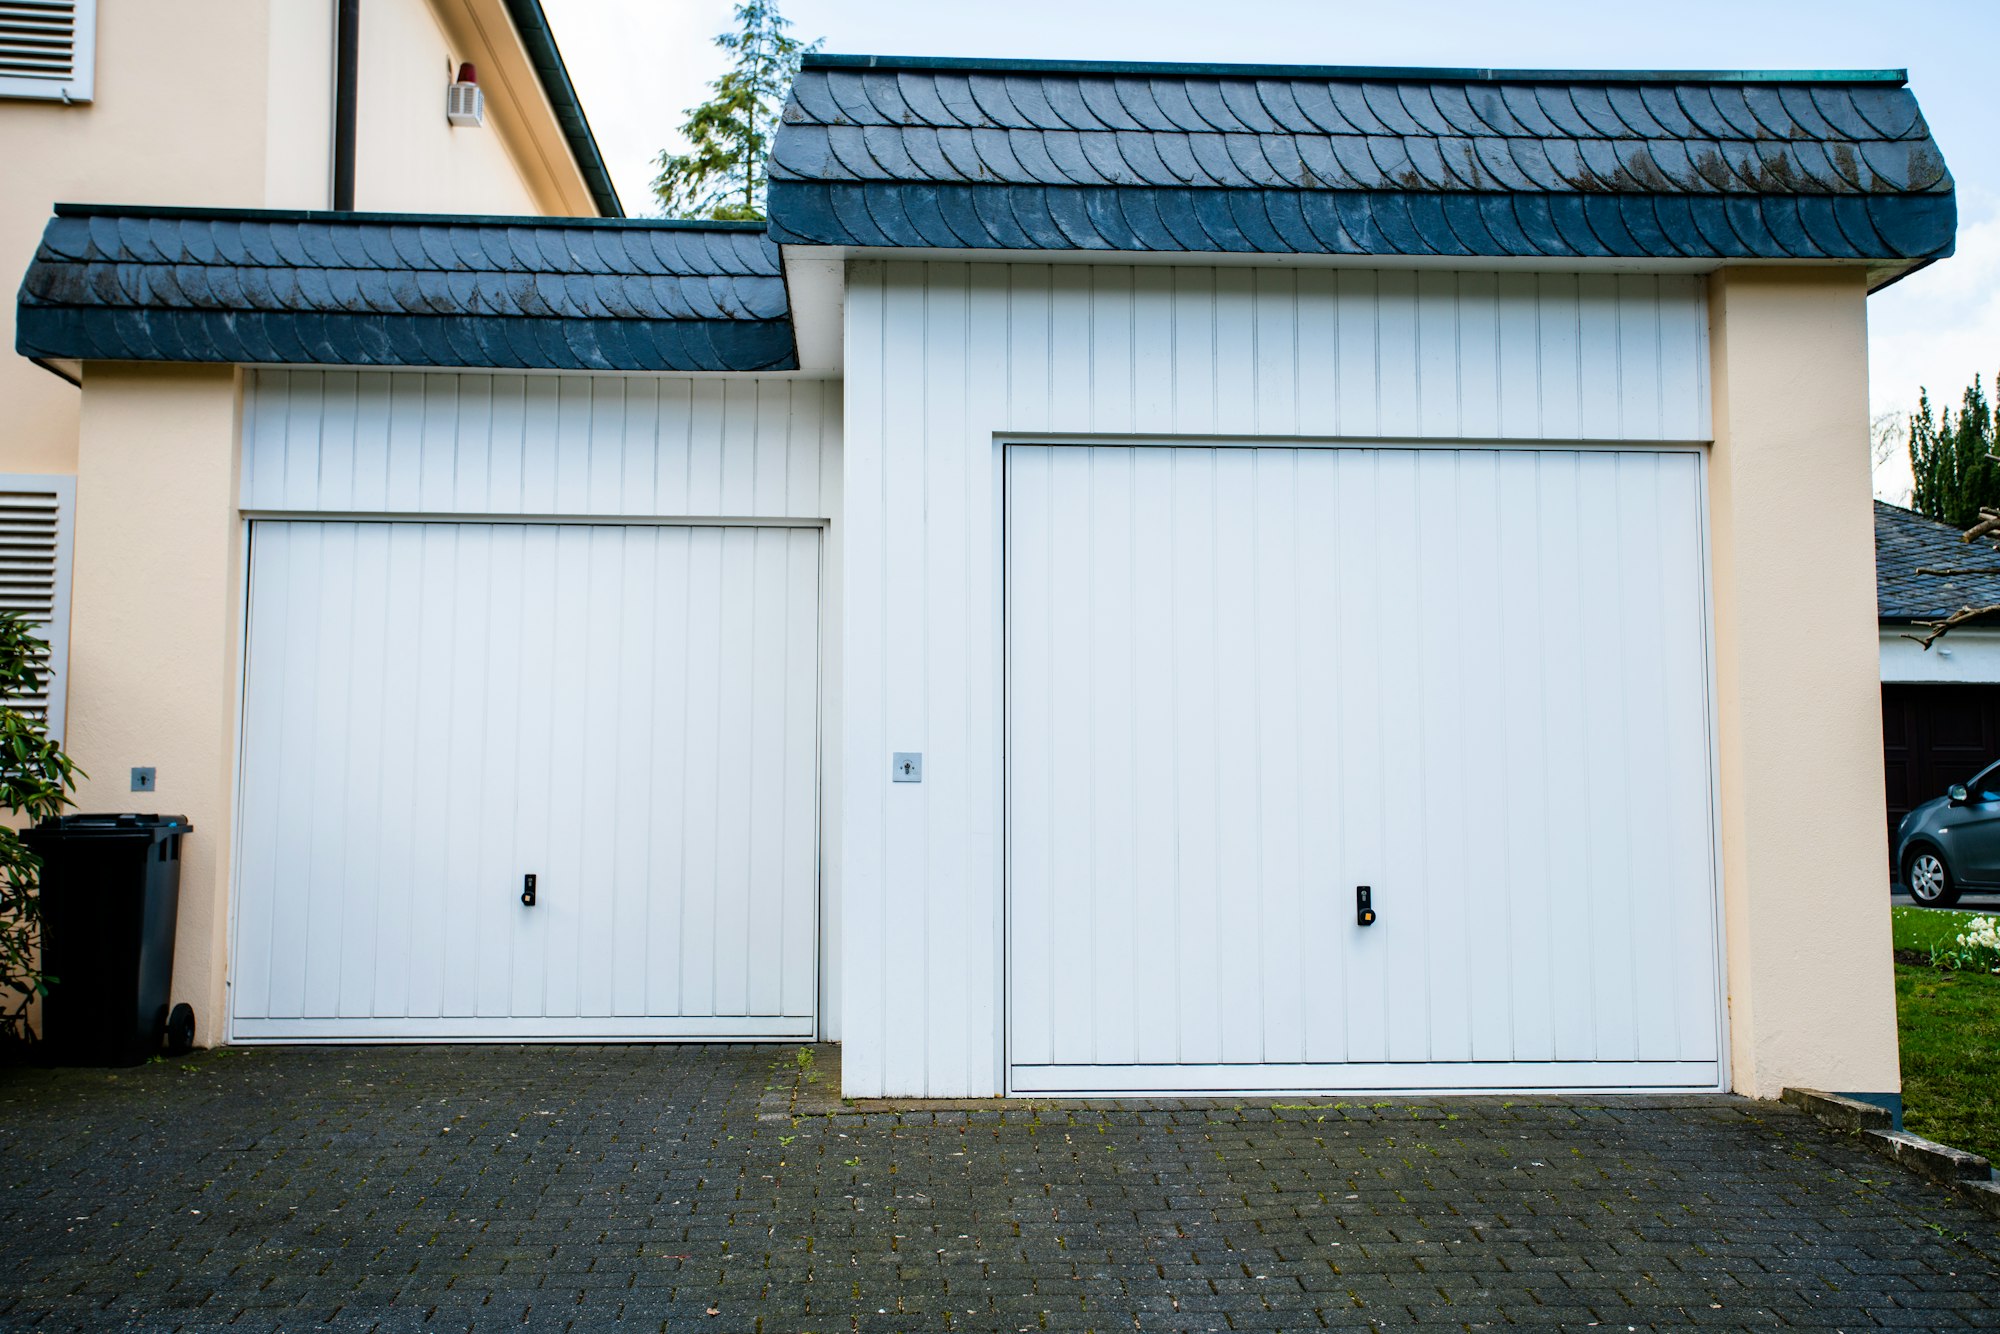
point(36, 778)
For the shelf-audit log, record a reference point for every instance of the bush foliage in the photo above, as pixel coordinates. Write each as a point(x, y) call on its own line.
point(36, 779)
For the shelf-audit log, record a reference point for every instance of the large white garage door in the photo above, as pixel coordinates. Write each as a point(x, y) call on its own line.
point(1242, 682)
point(434, 711)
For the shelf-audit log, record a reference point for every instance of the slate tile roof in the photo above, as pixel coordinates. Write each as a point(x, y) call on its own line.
point(880, 151)
point(356, 289)
point(1906, 542)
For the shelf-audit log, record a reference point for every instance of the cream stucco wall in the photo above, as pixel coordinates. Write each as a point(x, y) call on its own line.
point(157, 609)
point(408, 158)
point(152, 134)
point(228, 103)
point(1811, 994)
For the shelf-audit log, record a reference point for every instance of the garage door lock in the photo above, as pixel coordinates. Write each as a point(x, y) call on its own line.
point(528, 890)
point(1364, 906)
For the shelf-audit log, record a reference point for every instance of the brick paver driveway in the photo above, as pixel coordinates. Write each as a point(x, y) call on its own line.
point(545, 1187)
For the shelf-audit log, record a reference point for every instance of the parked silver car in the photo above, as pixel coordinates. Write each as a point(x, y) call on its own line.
point(1952, 843)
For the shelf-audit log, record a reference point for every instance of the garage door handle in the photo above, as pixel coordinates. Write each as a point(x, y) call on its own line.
point(528, 891)
point(1364, 906)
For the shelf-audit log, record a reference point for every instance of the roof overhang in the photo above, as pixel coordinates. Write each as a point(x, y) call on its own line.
point(276, 287)
point(1386, 165)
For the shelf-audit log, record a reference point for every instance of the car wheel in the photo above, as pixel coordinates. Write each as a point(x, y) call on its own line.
point(1929, 880)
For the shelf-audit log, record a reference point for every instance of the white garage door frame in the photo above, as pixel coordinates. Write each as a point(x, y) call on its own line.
point(611, 1029)
point(1377, 1078)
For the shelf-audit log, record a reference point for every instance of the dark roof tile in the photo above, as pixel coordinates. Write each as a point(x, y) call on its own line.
point(1790, 141)
point(348, 289)
point(1906, 542)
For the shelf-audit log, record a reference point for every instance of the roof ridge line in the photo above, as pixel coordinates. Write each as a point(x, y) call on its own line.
point(64, 209)
point(1389, 73)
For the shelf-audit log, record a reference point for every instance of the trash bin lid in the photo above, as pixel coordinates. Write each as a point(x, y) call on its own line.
point(149, 827)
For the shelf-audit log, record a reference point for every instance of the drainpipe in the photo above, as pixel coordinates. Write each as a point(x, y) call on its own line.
point(346, 58)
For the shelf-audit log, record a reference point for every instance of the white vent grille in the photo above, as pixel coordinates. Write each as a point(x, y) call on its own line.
point(36, 517)
point(465, 105)
point(48, 48)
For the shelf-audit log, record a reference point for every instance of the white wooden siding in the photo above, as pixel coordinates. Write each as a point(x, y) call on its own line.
point(402, 442)
point(433, 710)
point(1243, 681)
point(944, 360)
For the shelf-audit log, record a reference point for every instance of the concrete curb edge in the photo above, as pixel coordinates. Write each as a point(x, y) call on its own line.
point(1968, 1174)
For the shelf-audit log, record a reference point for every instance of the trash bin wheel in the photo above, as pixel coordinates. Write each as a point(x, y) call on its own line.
point(180, 1030)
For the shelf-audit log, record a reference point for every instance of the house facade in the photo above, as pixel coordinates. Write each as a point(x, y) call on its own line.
point(1140, 579)
point(1941, 704)
point(231, 103)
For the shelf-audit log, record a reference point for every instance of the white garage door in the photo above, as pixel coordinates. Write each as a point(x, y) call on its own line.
point(434, 711)
point(1242, 682)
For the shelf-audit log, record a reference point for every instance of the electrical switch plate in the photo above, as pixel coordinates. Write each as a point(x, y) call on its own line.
point(907, 766)
point(144, 780)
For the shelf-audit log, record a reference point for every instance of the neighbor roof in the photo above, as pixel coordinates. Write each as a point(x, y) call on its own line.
point(1906, 542)
point(385, 289)
point(886, 151)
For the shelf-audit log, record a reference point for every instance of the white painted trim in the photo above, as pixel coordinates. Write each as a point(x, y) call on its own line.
point(1966, 656)
point(1386, 1077)
point(534, 372)
point(239, 691)
point(817, 291)
point(1445, 442)
point(504, 1028)
point(559, 520)
point(1218, 259)
point(1712, 682)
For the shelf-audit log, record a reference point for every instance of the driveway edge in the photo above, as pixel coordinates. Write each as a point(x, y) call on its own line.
point(1968, 1174)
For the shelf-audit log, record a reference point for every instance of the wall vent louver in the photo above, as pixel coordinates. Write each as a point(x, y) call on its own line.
point(35, 518)
point(464, 103)
point(48, 49)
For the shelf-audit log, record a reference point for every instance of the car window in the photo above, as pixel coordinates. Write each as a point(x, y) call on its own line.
point(1986, 787)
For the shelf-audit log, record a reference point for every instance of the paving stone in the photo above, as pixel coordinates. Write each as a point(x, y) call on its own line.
point(486, 1188)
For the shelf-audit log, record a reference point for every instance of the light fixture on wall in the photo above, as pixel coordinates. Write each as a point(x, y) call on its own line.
point(464, 104)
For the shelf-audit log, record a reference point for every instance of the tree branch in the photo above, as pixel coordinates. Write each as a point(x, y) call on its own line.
point(1988, 522)
point(1939, 629)
point(1947, 571)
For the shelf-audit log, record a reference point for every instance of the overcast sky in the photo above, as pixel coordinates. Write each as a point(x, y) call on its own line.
point(639, 64)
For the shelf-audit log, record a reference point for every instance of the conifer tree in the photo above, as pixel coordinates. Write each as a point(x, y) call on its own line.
point(721, 176)
point(1951, 459)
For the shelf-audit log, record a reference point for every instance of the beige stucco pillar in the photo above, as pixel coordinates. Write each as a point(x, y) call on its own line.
point(1805, 881)
point(156, 610)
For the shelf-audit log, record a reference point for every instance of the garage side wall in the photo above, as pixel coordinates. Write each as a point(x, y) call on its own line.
point(414, 443)
point(155, 629)
point(944, 360)
point(1811, 986)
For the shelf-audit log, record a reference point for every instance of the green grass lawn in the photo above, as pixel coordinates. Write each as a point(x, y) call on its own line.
point(1921, 928)
point(1949, 1023)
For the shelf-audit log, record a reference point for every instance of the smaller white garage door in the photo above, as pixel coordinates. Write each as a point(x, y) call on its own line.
point(1243, 682)
point(434, 711)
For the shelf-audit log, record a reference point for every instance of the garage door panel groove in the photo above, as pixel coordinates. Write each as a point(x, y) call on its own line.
point(1473, 679)
point(433, 710)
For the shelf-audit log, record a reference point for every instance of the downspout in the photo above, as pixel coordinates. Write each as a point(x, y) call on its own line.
point(346, 59)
